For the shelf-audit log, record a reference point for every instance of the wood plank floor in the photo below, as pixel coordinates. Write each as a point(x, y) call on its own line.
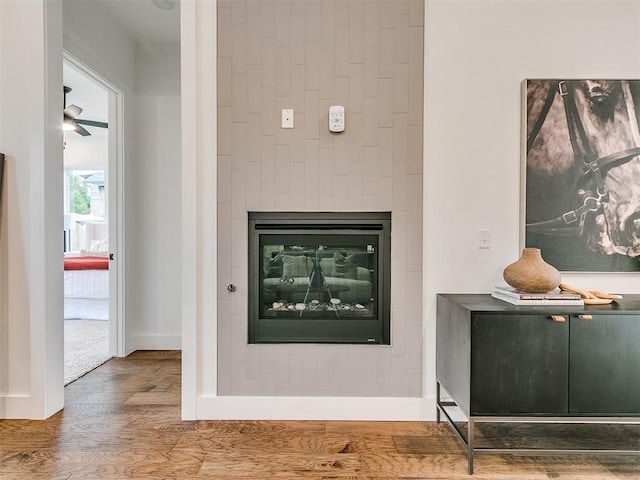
point(123, 421)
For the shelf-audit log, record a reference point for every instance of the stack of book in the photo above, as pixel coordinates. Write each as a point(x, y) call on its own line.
point(518, 297)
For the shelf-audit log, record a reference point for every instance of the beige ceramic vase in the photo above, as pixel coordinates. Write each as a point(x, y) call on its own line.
point(531, 273)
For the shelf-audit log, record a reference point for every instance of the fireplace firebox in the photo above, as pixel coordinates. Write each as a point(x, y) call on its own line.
point(319, 277)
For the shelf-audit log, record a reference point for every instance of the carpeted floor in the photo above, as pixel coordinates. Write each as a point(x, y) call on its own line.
point(86, 346)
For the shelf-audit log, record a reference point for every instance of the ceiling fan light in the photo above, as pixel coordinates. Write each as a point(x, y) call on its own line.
point(68, 126)
point(165, 4)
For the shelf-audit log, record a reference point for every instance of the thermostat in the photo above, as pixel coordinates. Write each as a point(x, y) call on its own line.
point(336, 118)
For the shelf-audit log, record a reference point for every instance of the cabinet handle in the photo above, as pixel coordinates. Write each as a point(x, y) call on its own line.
point(585, 317)
point(558, 318)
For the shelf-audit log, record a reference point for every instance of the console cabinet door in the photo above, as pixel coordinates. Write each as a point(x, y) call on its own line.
point(605, 365)
point(519, 364)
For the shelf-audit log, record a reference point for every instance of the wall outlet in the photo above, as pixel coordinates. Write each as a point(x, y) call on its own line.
point(287, 118)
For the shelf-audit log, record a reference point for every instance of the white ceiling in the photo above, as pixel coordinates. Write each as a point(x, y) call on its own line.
point(86, 94)
point(91, 151)
point(144, 21)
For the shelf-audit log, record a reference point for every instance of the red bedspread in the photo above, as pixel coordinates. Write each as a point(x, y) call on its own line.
point(86, 263)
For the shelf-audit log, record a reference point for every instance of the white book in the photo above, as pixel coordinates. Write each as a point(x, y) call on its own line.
point(552, 295)
point(540, 302)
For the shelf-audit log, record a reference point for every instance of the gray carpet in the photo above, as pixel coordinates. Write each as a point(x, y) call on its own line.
point(86, 346)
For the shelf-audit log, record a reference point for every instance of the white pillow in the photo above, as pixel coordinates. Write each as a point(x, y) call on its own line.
point(99, 246)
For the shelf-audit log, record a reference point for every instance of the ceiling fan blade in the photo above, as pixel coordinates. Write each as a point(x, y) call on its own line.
point(92, 123)
point(82, 131)
point(72, 111)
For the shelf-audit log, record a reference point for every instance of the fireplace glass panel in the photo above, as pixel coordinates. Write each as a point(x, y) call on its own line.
point(319, 279)
point(314, 276)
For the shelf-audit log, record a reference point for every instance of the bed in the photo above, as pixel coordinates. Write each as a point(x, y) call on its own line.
point(86, 287)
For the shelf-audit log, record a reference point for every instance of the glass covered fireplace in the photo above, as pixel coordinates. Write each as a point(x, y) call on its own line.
point(319, 277)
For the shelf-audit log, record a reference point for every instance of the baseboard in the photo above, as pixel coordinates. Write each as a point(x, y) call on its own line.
point(156, 342)
point(316, 408)
point(15, 406)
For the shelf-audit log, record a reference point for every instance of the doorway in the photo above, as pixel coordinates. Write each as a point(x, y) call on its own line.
point(89, 197)
point(133, 48)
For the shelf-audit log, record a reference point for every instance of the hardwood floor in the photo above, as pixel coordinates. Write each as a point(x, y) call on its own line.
point(123, 421)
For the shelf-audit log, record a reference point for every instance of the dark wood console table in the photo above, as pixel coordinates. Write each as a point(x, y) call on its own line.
point(504, 363)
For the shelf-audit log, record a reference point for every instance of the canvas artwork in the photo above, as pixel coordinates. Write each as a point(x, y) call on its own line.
point(1, 170)
point(582, 179)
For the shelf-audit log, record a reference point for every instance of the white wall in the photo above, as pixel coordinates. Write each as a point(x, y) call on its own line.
point(153, 226)
point(90, 154)
point(31, 379)
point(477, 53)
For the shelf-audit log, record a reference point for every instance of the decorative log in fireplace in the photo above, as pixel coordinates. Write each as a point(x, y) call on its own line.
point(319, 277)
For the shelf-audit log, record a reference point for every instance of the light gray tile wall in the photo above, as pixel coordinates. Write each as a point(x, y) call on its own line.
point(366, 55)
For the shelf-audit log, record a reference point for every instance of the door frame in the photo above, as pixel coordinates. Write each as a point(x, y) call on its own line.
point(115, 203)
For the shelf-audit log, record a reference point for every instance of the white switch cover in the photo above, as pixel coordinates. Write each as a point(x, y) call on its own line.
point(484, 238)
point(287, 118)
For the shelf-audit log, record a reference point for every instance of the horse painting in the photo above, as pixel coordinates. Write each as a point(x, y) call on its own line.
point(583, 173)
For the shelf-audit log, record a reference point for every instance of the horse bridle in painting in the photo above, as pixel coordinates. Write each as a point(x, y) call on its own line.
point(572, 221)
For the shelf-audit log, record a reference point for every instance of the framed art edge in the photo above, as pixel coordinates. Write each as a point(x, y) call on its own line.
point(523, 165)
point(1, 176)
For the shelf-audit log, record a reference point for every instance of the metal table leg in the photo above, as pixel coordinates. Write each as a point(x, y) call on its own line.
point(470, 438)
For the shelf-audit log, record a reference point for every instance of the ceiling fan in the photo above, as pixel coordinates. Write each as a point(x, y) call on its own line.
point(71, 120)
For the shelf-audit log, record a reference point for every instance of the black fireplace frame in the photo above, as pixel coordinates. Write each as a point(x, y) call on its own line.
point(371, 331)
